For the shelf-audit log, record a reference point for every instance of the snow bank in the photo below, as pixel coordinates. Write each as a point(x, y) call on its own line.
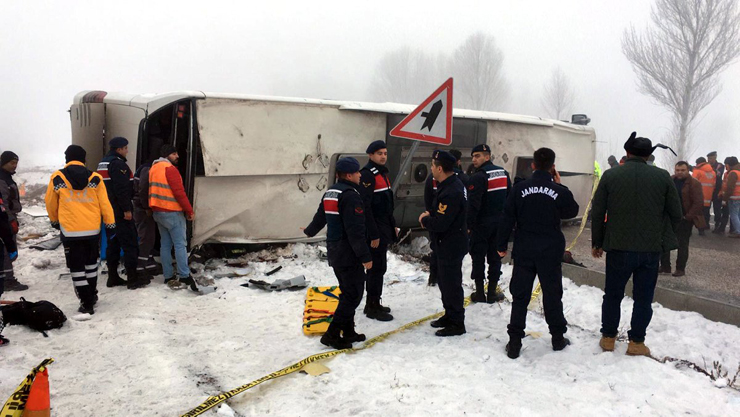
point(155, 351)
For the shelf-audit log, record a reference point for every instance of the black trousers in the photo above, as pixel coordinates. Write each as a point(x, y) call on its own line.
point(124, 237)
point(376, 273)
point(723, 220)
point(482, 246)
point(449, 280)
point(717, 206)
point(351, 283)
point(82, 261)
point(549, 270)
point(683, 233)
point(146, 230)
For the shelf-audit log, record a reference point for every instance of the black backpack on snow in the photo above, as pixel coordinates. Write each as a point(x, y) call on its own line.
point(41, 315)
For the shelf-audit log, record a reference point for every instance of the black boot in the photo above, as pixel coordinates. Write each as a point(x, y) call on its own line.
point(559, 342)
point(12, 284)
point(513, 348)
point(373, 310)
point(452, 329)
point(144, 276)
point(350, 335)
point(493, 295)
point(384, 308)
point(114, 280)
point(93, 283)
point(189, 281)
point(332, 338)
point(441, 322)
point(479, 296)
point(134, 282)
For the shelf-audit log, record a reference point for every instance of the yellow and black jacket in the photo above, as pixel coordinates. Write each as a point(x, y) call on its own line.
point(76, 200)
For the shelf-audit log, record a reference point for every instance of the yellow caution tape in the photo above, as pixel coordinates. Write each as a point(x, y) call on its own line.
point(538, 290)
point(213, 401)
point(17, 402)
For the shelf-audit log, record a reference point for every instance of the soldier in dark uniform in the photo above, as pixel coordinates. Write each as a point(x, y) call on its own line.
point(448, 230)
point(119, 182)
point(377, 195)
point(487, 191)
point(342, 211)
point(430, 189)
point(536, 206)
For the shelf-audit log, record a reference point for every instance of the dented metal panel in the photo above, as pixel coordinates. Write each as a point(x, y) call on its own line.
point(241, 137)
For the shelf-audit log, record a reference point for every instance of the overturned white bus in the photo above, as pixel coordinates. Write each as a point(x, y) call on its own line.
point(256, 167)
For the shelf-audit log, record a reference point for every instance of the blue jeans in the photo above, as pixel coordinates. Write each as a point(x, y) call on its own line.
point(620, 266)
point(734, 206)
point(173, 232)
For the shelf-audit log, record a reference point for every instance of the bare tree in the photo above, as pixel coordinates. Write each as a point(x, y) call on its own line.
point(477, 66)
point(405, 76)
point(559, 95)
point(678, 60)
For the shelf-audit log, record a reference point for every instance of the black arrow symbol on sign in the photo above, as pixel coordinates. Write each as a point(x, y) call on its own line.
point(432, 115)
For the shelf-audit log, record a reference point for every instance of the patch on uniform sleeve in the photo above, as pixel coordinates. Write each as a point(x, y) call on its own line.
point(366, 184)
point(470, 187)
point(442, 208)
point(359, 210)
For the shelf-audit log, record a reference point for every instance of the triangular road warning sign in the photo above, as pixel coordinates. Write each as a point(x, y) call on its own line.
point(432, 120)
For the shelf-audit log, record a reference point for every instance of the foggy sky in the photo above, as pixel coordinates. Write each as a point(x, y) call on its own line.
point(51, 51)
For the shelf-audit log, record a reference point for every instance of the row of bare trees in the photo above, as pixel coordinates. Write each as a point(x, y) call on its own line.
point(406, 76)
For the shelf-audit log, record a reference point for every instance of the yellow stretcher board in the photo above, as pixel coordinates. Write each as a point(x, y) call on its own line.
point(321, 303)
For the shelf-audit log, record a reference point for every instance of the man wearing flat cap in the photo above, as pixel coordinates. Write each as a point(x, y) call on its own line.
point(342, 211)
point(119, 181)
point(376, 191)
point(644, 210)
point(447, 226)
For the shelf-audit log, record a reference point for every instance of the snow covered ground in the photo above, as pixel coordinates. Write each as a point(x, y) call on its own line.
point(160, 352)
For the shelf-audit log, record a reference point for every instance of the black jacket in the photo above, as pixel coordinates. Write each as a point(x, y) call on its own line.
point(119, 182)
point(6, 233)
point(140, 197)
point(487, 191)
point(342, 211)
point(375, 188)
point(430, 187)
point(10, 194)
point(536, 206)
point(446, 223)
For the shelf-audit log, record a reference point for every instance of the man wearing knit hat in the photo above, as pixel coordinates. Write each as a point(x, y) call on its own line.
point(170, 208)
point(377, 194)
point(644, 211)
point(118, 180)
point(10, 196)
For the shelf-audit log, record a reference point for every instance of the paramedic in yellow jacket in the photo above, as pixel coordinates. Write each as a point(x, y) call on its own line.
point(76, 201)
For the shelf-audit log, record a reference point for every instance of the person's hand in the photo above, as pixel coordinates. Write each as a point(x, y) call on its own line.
point(597, 252)
point(368, 265)
point(374, 244)
point(190, 216)
point(127, 215)
point(13, 256)
point(502, 254)
point(398, 231)
point(303, 229)
point(422, 215)
point(555, 175)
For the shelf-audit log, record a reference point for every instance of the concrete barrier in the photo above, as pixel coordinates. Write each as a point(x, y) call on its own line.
point(675, 300)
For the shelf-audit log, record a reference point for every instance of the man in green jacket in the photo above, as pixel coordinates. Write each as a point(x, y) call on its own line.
point(635, 212)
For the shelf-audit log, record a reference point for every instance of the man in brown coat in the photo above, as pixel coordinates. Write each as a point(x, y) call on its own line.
point(692, 204)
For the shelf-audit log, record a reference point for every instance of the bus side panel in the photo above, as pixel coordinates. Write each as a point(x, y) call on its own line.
point(575, 152)
point(123, 121)
point(88, 122)
point(250, 209)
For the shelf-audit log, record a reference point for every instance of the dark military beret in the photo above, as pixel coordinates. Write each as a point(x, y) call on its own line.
point(481, 148)
point(713, 153)
point(443, 156)
point(348, 165)
point(375, 146)
point(118, 142)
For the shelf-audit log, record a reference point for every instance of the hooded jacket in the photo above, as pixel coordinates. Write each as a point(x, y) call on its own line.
point(11, 196)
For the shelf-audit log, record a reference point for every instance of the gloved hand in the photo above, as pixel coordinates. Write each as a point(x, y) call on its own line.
point(13, 256)
point(55, 225)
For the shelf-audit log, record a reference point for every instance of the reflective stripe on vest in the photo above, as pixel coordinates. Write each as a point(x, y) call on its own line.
point(160, 193)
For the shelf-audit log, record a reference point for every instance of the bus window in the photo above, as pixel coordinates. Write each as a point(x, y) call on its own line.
point(523, 168)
